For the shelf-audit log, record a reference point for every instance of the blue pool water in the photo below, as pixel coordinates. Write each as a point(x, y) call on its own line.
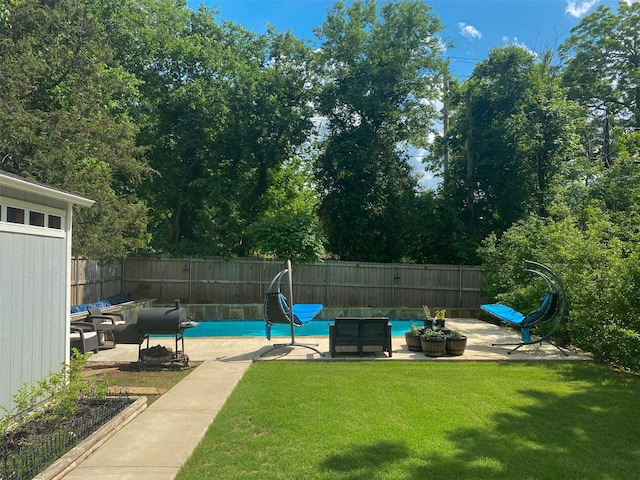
point(255, 328)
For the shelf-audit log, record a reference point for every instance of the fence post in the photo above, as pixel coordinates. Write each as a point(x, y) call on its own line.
point(459, 285)
point(394, 273)
point(122, 274)
point(260, 276)
point(327, 284)
point(190, 277)
point(75, 264)
point(101, 266)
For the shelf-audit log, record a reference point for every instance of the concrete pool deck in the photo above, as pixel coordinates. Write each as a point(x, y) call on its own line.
point(140, 449)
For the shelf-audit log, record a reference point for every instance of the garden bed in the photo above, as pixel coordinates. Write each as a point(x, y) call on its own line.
point(34, 446)
point(47, 450)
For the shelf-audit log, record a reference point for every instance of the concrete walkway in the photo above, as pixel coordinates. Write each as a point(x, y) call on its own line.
point(155, 444)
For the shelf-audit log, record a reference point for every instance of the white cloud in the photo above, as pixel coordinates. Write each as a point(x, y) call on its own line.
point(469, 31)
point(426, 180)
point(577, 8)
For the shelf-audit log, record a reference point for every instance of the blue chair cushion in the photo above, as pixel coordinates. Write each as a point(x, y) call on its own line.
point(503, 312)
point(540, 311)
point(303, 312)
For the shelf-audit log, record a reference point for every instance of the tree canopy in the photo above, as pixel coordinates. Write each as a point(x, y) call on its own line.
point(602, 57)
point(198, 137)
point(378, 73)
point(64, 120)
point(511, 130)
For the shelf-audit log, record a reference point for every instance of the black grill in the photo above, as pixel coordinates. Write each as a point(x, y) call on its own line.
point(163, 321)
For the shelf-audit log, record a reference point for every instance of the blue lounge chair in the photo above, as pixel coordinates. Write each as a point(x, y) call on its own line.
point(552, 310)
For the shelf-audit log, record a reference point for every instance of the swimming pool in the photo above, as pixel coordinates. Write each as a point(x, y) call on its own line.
point(255, 328)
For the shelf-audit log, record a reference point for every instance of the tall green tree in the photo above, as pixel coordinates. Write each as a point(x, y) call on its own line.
point(602, 62)
point(182, 113)
point(378, 74)
point(222, 110)
point(602, 72)
point(270, 109)
point(64, 119)
point(289, 227)
point(511, 130)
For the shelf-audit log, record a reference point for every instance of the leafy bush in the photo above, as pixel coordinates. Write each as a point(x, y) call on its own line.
point(619, 346)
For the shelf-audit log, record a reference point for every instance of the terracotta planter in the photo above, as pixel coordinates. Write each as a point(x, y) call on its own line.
point(456, 346)
point(413, 342)
point(433, 347)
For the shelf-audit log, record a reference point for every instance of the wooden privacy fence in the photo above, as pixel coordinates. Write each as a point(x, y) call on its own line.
point(91, 281)
point(334, 284)
point(244, 281)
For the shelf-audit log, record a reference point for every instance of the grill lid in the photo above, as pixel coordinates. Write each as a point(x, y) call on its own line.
point(163, 320)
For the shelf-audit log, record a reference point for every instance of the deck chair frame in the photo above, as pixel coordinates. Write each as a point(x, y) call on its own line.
point(554, 313)
point(274, 311)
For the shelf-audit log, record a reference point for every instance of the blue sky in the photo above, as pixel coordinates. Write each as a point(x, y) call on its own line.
point(473, 26)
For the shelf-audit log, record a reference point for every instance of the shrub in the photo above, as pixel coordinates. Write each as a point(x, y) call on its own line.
point(53, 398)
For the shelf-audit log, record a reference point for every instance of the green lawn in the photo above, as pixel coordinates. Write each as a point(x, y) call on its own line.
point(424, 420)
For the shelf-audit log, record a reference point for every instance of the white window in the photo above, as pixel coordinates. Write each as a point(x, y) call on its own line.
point(15, 215)
point(20, 216)
point(54, 221)
point(36, 218)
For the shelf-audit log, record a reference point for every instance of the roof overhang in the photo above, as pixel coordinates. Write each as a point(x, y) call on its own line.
point(20, 183)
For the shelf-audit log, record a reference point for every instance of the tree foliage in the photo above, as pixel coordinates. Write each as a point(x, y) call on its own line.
point(289, 227)
point(602, 57)
point(64, 120)
point(511, 130)
point(377, 76)
point(222, 110)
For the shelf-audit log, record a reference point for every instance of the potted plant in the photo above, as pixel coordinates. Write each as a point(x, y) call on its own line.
point(428, 319)
point(433, 342)
point(412, 337)
point(440, 317)
point(455, 343)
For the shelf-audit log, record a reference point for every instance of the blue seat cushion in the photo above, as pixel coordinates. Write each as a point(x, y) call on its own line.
point(537, 314)
point(503, 312)
point(303, 312)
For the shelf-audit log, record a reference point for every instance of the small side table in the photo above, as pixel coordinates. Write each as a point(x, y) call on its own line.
point(106, 336)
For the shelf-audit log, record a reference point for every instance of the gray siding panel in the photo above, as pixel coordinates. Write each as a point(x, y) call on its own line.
point(32, 314)
point(6, 314)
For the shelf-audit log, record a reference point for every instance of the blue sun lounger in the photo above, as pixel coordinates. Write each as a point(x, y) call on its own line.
point(552, 310)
